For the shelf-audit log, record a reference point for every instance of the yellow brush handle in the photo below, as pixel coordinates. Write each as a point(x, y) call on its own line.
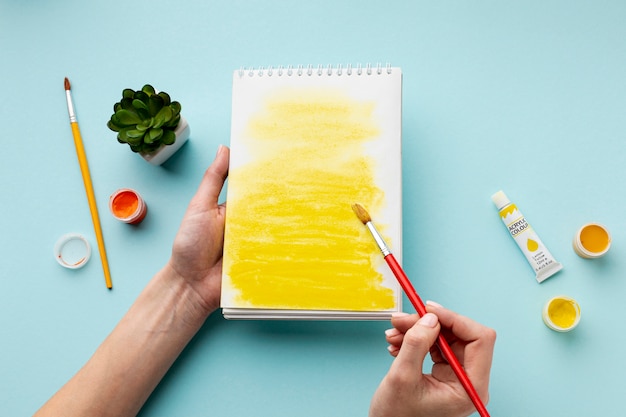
point(91, 198)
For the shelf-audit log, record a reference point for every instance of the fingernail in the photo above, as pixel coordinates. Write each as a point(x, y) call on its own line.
point(220, 149)
point(392, 348)
point(392, 332)
point(428, 320)
point(434, 304)
point(399, 314)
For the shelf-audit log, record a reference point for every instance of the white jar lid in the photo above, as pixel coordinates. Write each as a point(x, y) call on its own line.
point(72, 250)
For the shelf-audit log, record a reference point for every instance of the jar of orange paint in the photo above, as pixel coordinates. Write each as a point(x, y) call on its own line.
point(592, 241)
point(127, 205)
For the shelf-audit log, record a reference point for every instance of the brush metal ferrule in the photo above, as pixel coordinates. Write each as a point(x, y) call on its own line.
point(70, 106)
point(379, 239)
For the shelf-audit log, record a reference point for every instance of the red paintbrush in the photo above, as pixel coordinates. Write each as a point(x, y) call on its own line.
point(415, 299)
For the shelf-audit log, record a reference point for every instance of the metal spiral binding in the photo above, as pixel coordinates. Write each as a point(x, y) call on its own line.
point(320, 70)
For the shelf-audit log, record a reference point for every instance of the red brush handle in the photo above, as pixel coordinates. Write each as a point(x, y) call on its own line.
point(446, 350)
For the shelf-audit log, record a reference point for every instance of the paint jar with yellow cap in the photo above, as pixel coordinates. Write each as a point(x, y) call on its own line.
point(127, 205)
point(561, 313)
point(592, 241)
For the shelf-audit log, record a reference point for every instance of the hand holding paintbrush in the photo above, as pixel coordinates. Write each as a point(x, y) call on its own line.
point(442, 343)
point(408, 390)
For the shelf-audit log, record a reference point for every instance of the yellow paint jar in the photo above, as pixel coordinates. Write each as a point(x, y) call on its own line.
point(561, 313)
point(592, 241)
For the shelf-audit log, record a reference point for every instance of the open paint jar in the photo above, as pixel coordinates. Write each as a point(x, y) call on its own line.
point(72, 251)
point(127, 205)
point(561, 313)
point(592, 241)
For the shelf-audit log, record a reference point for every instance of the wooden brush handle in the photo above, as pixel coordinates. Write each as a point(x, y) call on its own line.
point(445, 348)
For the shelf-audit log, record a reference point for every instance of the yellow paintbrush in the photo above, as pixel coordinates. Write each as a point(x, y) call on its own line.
point(84, 169)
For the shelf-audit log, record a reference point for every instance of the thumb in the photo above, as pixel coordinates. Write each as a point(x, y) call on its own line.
point(215, 175)
point(417, 342)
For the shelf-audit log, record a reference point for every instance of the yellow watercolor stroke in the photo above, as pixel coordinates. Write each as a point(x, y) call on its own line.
point(298, 244)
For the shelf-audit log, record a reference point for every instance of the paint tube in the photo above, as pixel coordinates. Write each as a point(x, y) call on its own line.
point(538, 256)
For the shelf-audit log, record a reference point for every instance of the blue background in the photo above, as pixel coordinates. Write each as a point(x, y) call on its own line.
point(528, 97)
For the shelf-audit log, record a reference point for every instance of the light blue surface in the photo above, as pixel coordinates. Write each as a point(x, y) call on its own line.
point(529, 98)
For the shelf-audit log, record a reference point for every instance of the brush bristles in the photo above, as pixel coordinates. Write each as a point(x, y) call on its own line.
point(67, 84)
point(361, 213)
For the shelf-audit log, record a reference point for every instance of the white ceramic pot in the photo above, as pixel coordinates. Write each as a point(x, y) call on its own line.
point(165, 151)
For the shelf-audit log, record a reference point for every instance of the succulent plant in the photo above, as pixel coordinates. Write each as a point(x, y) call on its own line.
point(145, 119)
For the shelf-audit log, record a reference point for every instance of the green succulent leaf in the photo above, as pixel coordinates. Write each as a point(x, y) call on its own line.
point(140, 95)
point(172, 124)
point(111, 125)
point(135, 133)
point(113, 120)
point(138, 104)
point(135, 141)
point(128, 93)
point(144, 114)
point(153, 135)
point(126, 118)
point(169, 137)
point(127, 103)
point(176, 106)
point(121, 138)
point(148, 89)
point(163, 116)
point(155, 104)
point(166, 98)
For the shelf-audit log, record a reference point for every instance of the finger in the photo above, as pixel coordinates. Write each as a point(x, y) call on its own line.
point(215, 175)
point(393, 336)
point(416, 345)
point(479, 342)
point(403, 322)
point(393, 350)
point(462, 327)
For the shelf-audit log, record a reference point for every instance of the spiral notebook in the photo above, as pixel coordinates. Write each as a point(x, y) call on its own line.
point(306, 143)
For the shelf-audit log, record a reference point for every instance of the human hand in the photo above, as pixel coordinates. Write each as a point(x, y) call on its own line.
point(198, 246)
point(407, 392)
